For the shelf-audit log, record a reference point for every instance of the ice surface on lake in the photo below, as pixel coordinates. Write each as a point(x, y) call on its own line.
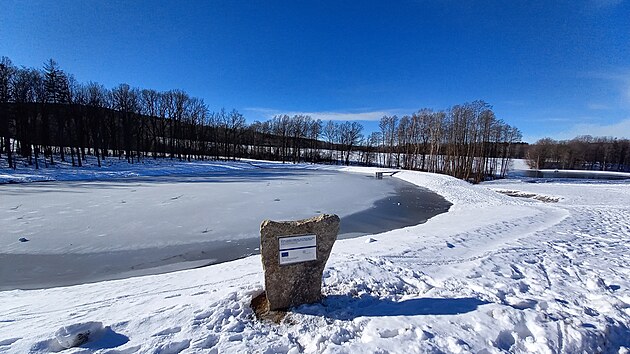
point(82, 231)
point(117, 215)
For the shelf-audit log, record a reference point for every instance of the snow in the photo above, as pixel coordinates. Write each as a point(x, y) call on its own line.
point(519, 164)
point(496, 273)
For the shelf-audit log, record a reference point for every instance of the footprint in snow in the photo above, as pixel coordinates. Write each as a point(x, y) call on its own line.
point(209, 342)
point(173, 348)
point(92, 335)
point(450, 245)
point(168, 331)
point(591, 312)
point(7, 342)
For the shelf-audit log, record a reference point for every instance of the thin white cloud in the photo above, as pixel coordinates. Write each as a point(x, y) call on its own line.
point(619, 129)
point(329, 115)
point(597, 106)
point(266, 112)
point(517, 103)
point(620, 78)
point(606, 3)
point(613, 75)
point(343, 116)
point(555, 119)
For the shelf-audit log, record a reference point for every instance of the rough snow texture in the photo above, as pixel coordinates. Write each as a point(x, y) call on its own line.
point(496, 273)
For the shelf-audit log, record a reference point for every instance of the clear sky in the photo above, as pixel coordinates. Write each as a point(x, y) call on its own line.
point(551, 68)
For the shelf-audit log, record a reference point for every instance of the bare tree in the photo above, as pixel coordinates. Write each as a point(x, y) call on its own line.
point(331, 134)
point(350, 136)
point(127, 101)
point(7, 70)
point(582, 153)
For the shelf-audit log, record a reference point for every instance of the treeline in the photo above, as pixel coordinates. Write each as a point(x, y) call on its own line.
point(45, 114)
point(581, 153)
point(466, 141)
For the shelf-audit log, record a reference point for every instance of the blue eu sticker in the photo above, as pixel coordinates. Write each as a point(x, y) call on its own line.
point(284, 254)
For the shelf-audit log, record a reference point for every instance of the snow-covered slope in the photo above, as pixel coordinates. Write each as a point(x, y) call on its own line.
point(494, 274)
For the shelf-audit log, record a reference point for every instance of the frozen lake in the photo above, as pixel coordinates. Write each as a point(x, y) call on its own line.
point(573, 174)
point(90, 231)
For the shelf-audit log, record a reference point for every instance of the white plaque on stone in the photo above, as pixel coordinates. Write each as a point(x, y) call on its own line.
point(296, 249)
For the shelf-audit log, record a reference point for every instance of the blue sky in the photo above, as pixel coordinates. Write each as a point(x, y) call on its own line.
point(551, 68)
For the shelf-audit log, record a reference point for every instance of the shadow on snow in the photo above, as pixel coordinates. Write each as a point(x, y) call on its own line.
point(345, 307)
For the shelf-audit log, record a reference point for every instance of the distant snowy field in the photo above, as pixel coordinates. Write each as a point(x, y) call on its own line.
point(496, 273)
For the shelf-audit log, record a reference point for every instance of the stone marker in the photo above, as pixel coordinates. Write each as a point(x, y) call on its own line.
point(294, 254)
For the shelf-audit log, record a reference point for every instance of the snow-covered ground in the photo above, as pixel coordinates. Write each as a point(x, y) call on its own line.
point(496, 273)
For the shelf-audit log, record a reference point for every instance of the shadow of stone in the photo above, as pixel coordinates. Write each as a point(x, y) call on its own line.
point(345, 307)
point(102, 339)
point(106, 340)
